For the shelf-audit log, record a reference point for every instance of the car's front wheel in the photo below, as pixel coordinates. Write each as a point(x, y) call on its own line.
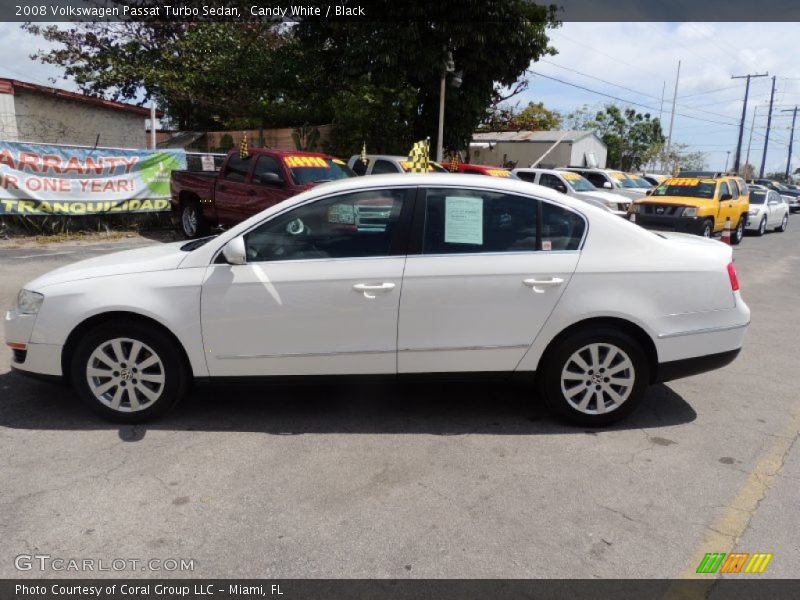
point(708, 228)
point(129, 373)
point(762, 226)
point(595, 377)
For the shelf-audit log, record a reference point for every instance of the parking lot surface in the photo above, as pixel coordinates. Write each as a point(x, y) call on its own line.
point(445, 480)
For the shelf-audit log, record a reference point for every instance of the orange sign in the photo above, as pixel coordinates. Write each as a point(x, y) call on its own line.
point(305, 161)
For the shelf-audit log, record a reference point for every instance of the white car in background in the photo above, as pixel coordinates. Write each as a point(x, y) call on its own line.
point(386, 164)
point(399, 276)
point(575, 185)
point(610, 179)
point(768, 210)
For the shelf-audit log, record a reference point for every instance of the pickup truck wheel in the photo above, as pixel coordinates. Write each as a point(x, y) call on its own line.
point(738, 232)
point(129, 373)
point(595, 377)
point(193, 224)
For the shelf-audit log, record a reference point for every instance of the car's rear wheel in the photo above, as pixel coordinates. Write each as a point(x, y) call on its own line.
point(193, 224)
point(595, 377)
point(784, 224)
point(129, 373)
point(762, 226)
point(708, 228)
point(738, 232)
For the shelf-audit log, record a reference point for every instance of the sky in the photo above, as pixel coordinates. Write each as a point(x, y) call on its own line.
point(636, 62)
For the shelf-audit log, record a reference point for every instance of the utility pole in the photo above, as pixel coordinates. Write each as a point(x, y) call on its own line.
point(153, 124)
point(769, 122)
point(737, 160)
point(791, 139)
point(750, 141)
point(672, 115)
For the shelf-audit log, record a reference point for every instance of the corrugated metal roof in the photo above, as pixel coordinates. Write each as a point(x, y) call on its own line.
point(531, 136)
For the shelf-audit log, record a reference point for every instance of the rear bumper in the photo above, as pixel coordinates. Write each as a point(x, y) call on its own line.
point(680, 224)
point(687, 367)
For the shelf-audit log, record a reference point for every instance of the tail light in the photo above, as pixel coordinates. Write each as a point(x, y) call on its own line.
point(732, 276)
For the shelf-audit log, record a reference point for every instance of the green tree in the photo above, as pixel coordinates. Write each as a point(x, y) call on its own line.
point(633, 139)
point(534, 117)
point(682, 158)
point(255, 74)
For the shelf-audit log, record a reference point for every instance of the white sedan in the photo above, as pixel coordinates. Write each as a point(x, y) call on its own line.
point(396, 275)
point(768, 210)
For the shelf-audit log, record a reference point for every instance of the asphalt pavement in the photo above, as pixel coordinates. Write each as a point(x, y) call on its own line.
point(443, 480)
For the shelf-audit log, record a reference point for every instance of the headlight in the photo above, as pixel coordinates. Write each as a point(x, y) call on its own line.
point(752, 212)
point(28, 302)
point(690, 211)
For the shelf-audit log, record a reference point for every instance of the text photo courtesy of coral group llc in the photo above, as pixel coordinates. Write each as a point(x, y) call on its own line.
point(399, 300)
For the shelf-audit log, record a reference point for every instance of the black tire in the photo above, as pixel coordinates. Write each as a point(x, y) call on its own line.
point(139, 400)
point(762, 227)
point(784, 224)
point(559, 358)
point(708, 229)
point(193, 224)
point(738, 232)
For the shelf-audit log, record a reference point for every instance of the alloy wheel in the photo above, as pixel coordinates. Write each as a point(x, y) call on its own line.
point(598, 378)
point(125, 375)
point(189, 220)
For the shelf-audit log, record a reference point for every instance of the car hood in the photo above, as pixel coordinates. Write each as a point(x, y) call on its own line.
point(140, 260)
point(604, 197)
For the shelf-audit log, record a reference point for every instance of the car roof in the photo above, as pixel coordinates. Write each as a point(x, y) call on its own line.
point(501, 184)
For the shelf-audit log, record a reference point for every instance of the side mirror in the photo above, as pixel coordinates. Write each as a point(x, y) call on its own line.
point(234, 251)
point(650, 192)
point(561, 188)
point(270, 179)
point(607, 185)
point(725, 197)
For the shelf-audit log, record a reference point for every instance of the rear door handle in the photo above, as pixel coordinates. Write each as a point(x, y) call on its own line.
point(540, 285)
point(369, 290)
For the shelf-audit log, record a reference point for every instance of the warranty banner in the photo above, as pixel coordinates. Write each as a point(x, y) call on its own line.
point(40, 179)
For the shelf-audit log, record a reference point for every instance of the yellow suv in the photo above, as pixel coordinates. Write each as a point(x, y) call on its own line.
point(698, 205)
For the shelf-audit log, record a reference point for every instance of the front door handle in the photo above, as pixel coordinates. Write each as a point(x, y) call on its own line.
point(540, 285)
point(369, 290)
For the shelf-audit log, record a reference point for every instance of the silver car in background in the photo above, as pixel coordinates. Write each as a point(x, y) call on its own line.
point(768, 210)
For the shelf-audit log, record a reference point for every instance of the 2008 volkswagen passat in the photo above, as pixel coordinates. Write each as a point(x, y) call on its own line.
point(398, 275)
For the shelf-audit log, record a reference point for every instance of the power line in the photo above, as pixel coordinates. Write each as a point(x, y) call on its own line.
point(651, 108)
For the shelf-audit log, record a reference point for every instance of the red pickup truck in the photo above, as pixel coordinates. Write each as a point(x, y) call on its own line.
point(245, 186)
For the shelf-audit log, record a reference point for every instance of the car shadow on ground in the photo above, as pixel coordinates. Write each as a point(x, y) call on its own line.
point(368, 408)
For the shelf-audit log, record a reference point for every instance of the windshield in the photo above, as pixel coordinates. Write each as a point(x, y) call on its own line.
point(757, 197)
point(315, 169)
point(641, 182)
point(686, 187)
point(623, 180)
point(578, 182)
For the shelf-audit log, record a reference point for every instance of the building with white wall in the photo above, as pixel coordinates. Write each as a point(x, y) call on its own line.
point(523, 148)
point(37, 113)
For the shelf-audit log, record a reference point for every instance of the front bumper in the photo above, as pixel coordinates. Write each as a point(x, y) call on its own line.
point(753, 221)
point(41, 359)
point(671, 223)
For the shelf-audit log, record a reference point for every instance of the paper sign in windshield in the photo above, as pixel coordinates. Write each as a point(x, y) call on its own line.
point(463, 220)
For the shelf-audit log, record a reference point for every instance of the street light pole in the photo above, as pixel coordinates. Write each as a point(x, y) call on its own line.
point(448, 67)
point(439, 140)
point(727, 158)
